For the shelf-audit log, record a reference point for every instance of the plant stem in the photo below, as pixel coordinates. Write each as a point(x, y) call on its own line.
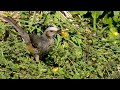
point(94, 22)
point(34, 14)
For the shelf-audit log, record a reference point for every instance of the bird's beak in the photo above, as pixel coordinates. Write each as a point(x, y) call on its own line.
point(58, 31)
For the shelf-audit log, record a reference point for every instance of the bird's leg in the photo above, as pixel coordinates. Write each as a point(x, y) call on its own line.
point(36, 55)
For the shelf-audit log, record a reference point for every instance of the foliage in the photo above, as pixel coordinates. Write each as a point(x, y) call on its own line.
point(87, 48)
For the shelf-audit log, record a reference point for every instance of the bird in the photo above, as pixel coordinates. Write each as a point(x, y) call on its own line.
point(38, 46)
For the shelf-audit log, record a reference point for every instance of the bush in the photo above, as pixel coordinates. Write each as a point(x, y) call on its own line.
point(88, 47)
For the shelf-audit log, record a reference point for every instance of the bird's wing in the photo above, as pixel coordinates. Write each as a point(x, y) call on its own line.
point(35, 40)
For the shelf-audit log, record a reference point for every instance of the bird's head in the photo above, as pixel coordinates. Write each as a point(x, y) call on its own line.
point(51, 31)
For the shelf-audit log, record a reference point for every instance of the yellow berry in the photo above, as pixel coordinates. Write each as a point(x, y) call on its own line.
point(116, 33)
point(55, 69)
point(65, 34)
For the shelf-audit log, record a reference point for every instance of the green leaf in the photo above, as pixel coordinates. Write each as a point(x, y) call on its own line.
point(107, 20)
point(116, 13)
point(78, 12)
point(116, 16)
point(82, 12)
point(47, 19)
point(96, 14)
point(74, 12)
point(113, 29)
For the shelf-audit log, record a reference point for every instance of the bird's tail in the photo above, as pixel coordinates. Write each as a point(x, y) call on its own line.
point(18, 28)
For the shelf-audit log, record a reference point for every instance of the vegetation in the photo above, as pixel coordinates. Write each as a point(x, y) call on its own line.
point(88, 47)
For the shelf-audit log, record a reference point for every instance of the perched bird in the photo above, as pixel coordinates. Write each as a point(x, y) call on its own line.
point(39, 46)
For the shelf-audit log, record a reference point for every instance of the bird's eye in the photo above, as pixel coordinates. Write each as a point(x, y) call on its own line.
point(51, 31)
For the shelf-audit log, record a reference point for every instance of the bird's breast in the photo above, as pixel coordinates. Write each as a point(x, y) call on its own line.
point(45, 45)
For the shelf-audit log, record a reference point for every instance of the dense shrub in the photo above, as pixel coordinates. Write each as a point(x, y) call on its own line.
point(88, 47)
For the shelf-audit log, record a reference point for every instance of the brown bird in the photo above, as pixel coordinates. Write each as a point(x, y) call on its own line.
point(39, 46)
